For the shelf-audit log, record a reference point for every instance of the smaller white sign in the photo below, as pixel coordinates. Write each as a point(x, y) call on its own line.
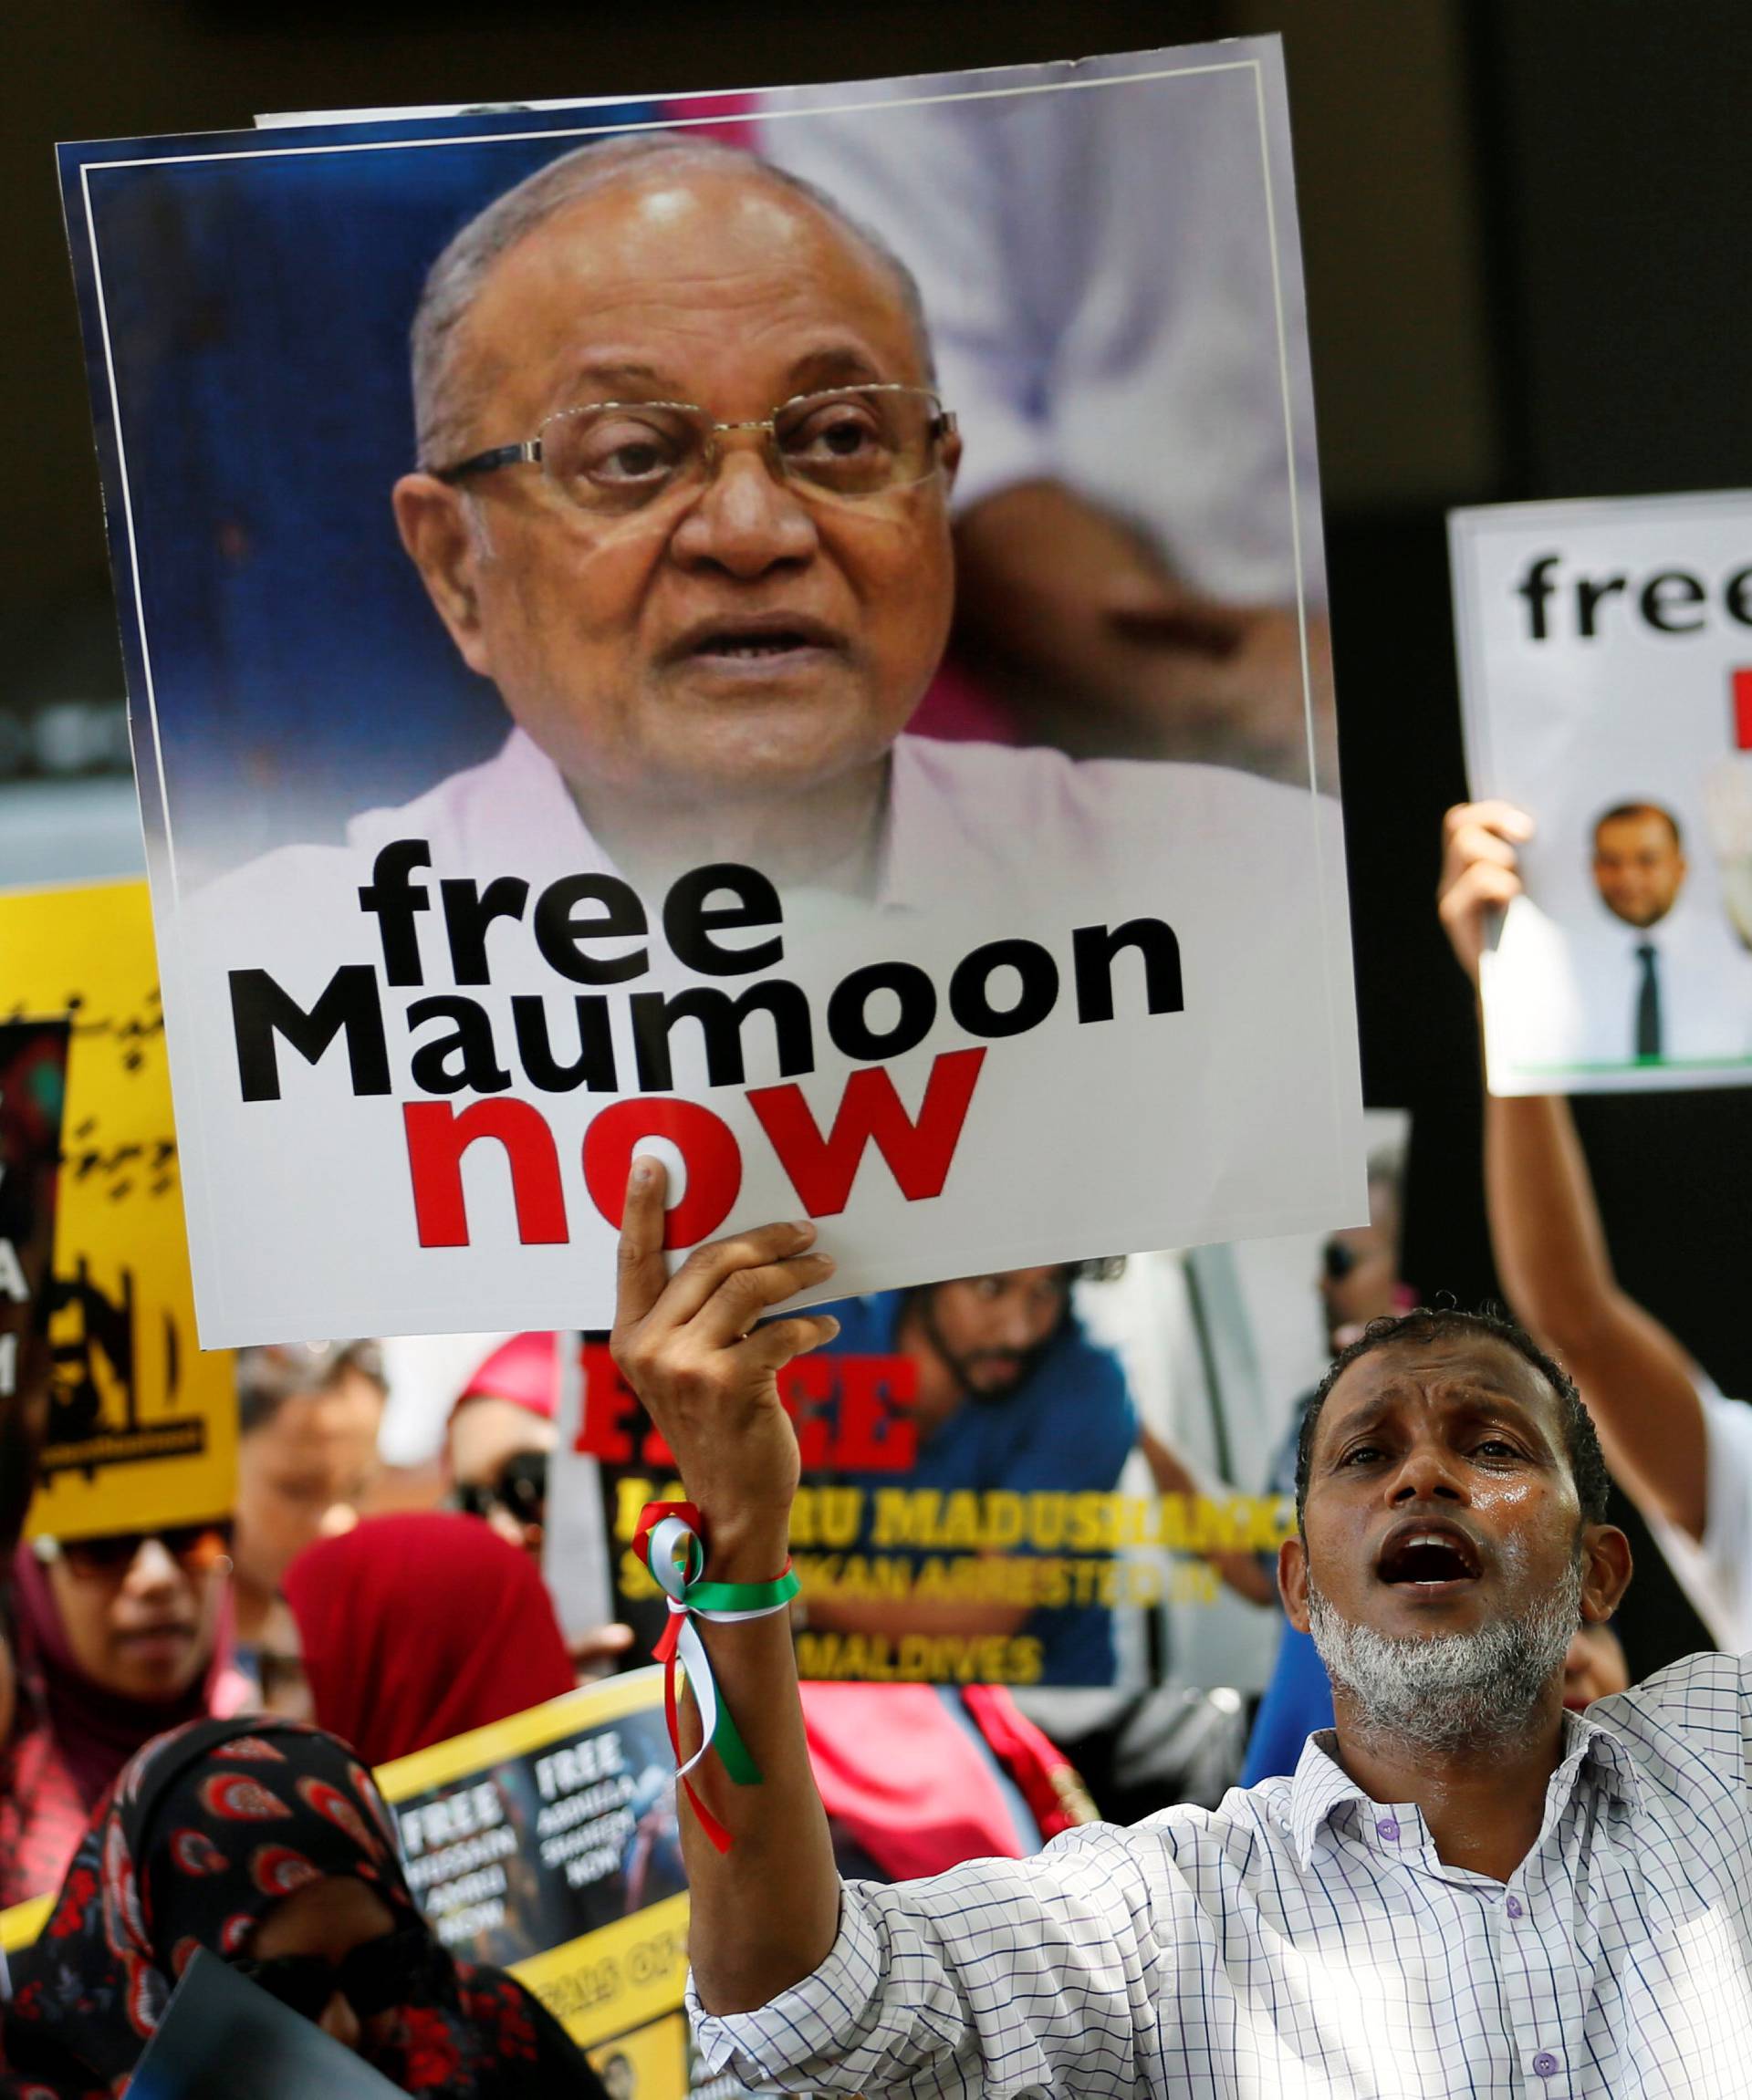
point(1606, 676)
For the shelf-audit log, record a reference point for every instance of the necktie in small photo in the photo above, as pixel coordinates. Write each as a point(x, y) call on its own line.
point(1648, 1002)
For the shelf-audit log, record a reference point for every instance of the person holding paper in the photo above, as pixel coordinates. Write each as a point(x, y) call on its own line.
point(265, 1841)
point(1680, 1449)
point(1462, 1887)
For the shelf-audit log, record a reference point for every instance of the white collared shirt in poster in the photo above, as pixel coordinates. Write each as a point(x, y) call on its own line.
point(1565, 1002)
point(1249, 1095)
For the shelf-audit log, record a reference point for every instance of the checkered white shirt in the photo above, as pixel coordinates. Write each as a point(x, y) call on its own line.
point(1302, 1939)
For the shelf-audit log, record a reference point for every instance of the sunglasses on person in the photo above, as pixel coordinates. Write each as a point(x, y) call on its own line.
point(197, 1549)
point(520, 1489)
point(382, 1973)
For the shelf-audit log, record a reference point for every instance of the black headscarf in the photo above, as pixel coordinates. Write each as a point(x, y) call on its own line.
point(206, 1830)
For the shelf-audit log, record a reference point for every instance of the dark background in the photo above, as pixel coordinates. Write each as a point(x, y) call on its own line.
point(1525, 223)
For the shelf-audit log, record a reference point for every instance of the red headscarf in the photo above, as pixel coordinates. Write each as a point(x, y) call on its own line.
point(419, 1627)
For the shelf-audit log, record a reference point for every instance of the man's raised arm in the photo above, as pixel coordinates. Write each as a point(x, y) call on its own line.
point(765, 1915)
point(1545, 1234)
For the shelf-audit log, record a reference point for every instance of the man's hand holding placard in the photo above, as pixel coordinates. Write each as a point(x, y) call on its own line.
point(690, 1345)
point(765, 1914)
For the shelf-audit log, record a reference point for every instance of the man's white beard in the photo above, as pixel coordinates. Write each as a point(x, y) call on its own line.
point(1449, 1691)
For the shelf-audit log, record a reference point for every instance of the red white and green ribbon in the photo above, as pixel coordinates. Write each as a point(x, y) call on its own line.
point(670, 1541)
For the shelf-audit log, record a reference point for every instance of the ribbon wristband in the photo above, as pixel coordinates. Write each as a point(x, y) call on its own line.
point(671, 1542)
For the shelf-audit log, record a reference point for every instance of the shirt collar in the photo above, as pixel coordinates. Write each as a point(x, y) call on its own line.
point(1321, 1787)
point(927, 855)
point(528, 799)
point(1597, 1745)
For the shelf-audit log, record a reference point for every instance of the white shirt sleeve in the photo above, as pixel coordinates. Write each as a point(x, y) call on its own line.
point(1715, 1571)
point(999, 1978)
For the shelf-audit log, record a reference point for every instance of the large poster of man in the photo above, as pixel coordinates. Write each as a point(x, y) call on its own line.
point(539, 536)
point(1606, 667)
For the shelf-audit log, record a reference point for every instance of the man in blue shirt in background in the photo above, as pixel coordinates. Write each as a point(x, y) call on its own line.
point(1011, 1397)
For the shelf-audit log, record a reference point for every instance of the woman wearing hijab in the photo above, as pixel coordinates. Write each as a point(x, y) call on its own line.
point(266, 1843)
point(113, 1641)
point(417, 1628)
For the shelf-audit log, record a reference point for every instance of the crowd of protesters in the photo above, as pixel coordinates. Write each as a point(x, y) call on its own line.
point(329, 1629)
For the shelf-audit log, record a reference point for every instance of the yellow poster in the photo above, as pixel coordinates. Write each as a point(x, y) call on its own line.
point(142, 1426)
point(21, 1924)
point(547, 1845)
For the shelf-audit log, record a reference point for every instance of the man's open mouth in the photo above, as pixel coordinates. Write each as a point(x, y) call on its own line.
point(750, 645)
point(754, 639)
point(1428, 1555)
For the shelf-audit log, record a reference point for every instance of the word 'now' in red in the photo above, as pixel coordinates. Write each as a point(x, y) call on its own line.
point(821, 1166)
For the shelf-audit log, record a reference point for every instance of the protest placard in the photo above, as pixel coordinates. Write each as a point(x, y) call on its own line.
point(641, 839)
point(33, 1088)
point(142, 1425)
point(1003, 1550)
point(547, 1843)
point(1606, 669)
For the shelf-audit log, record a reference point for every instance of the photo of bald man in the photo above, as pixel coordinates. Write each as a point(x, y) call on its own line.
point(674, 514)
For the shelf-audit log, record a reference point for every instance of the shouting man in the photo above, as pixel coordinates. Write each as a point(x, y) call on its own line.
point(1463, 1887)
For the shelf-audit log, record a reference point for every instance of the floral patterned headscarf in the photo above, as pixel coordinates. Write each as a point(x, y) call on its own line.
point(205, 1831)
